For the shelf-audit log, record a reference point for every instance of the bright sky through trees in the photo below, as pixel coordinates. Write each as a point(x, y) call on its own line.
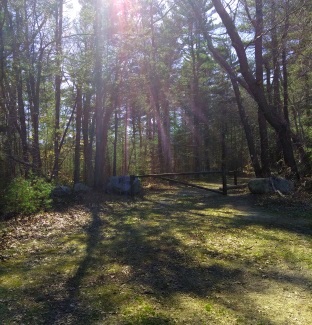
point(151, 86)
point(74, 11)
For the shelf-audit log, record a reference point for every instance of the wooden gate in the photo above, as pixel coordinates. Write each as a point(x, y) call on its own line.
point(168, 177)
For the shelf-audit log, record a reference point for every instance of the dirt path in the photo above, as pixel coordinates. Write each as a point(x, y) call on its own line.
point(179, 256)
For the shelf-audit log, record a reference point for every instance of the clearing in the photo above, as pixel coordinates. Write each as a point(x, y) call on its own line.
point(178, 256)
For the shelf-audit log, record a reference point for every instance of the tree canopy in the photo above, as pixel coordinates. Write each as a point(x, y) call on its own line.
point(153, 86)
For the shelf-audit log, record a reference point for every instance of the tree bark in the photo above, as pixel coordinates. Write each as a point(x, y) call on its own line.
point(235, 80)
point(248, 131)
point(88, 136)
point(276, 120)
point(264, 143)
point(115, 144)
point(58, 83)
point(126, 154)
point(33, 88)
point(21, 128)
point(195, 100)
point(99, 109)
point(284, 64)
point(78, 136)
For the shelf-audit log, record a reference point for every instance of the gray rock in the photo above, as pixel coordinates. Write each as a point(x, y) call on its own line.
point(81, 188)
point(270, 185)
point(260, 186)
point(61, 191)
point(121, 185)
point(283, 185)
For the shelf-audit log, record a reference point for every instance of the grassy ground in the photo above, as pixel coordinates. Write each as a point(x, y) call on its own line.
point(178, 256)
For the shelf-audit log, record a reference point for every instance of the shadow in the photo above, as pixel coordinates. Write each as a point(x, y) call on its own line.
point(143, 241)
point(67, 310)
point(162, 267)
point(245, 216)
point(281, 222)
point(248, 213)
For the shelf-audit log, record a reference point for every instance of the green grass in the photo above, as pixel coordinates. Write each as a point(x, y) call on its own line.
point(176, 257)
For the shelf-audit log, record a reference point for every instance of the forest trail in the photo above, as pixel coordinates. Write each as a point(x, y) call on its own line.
point(177, 256)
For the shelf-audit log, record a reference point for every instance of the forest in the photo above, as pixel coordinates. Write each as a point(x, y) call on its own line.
point(115, 87)
point(91, 89)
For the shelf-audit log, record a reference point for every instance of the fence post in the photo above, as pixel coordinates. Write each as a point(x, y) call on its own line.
point(224, 180)
point(223, 157)
point(235, 177)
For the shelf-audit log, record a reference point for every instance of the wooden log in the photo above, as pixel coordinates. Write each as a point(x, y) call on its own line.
point(191, 185)
point(234, 187)
point(180, 174)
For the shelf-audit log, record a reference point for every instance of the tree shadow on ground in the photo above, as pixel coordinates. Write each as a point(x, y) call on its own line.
point(240, 216)
point(247, 212)
point(140, 237)
point(162, 267)
point(67, 310)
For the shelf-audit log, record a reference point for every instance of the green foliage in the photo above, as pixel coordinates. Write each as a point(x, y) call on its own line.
point(26, 196)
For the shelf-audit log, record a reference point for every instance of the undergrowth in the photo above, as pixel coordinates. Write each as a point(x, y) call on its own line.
point(27, 196)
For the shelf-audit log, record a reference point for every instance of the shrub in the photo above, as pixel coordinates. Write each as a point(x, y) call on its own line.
point(26, 196)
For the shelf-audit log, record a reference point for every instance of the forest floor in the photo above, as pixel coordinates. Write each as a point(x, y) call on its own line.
point(176, 256)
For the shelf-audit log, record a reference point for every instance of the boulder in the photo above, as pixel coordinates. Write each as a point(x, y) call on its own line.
point(81, 188)
point(121, 185)
point(260, 186)
point(283, 185)
point(307, 184)
point(270, 185)
point(61, 192)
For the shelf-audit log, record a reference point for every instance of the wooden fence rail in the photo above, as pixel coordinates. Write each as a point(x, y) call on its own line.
point(165, 175)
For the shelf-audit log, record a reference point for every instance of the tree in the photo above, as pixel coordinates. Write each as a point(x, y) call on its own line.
point(276, 120)
point(99, 154)
point(223, 57)
point(265, 161)
point(77, 155)
point(139, 86)
point(58, 83)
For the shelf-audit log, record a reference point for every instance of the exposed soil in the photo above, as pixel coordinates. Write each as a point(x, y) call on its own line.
point(176, 256)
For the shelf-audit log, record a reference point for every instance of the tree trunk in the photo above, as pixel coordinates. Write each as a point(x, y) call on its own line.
point(88, 136)
point(166, 142)
point(264, 143)
point(115, 144)
point(78, 136)
point(33, 87)
point(126, 154)
point(284, 64)
point(58, 82)
point(277, 104)
point(195, 101)
point(275, 119)
point(21, 113)
point(248, 131)
point(99, 109)
point(234, 80)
